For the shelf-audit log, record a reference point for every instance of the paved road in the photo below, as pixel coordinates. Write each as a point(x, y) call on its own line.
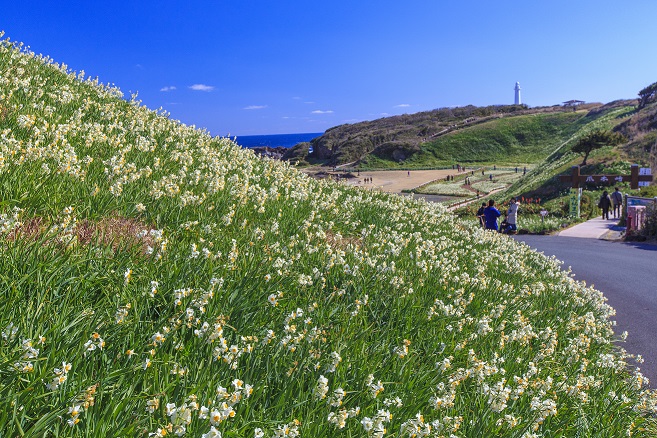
point(626, 274)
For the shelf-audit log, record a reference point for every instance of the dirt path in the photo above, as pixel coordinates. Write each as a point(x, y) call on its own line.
point(466, 201)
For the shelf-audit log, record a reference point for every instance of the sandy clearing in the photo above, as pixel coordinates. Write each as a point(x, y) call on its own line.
point(394, 181)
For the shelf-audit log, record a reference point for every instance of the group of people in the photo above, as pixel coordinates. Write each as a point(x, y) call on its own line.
point(615, 201)
point(488, 216)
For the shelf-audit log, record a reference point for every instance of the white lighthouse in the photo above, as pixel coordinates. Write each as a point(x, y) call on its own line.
point(517, 88)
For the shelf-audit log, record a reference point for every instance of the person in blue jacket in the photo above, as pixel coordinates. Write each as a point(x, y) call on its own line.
point(490, 216)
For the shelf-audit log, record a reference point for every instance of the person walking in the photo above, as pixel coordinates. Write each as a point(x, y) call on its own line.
point(604, 203)
point(490, 216)
point(617, 201)
point(512, 216)
point(480, 215)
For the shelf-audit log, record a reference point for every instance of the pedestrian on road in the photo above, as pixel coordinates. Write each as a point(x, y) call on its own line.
point(480, 215)
point(617, 201)
point(604, 203)
point(490, 216)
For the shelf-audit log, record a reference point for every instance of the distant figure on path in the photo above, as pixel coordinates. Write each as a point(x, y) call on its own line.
point(409, 173)
point(490, 216)
point(490, 176)
point(604, 203)
point(480, 215)
point(524, 171)
point(516, 169)
point(617, 200)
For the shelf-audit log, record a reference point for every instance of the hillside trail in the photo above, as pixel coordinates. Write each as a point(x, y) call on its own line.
point(341, 166)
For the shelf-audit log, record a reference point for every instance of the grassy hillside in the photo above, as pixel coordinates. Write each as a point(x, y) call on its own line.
point(620, 116)
point(396, 137)
point(159, 281)
point(508, 140)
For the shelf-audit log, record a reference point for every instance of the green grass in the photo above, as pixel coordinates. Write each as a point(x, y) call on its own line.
point(156, 280)
point(508, 140)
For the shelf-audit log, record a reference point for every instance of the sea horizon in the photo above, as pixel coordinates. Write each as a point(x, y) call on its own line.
point(275, 140)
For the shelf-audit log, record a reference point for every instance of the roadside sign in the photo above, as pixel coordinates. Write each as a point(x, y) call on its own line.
point(635, 200)
point(575, 199)
point(637, 177)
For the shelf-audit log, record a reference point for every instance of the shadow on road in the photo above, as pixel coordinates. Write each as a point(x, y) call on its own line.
point(642, 245)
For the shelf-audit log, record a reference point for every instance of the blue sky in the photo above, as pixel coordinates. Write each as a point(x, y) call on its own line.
point(248, 67)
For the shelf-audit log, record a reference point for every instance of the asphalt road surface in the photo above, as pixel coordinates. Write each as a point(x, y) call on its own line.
point(626, 274)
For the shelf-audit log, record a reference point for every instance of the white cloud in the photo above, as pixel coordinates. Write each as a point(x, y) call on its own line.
point(384, 114)
point(321, 112)
point(171, 88)
point(255, 107)
point(201, 87)
point(309, 102)
point(402, 105)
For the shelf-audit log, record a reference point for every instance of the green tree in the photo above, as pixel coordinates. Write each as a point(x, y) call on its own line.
point(595, 140)
point(647, 95)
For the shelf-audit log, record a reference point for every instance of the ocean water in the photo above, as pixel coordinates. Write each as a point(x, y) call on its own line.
point(284, 140)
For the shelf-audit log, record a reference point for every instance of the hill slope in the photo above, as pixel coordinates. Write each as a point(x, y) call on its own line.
point(157, 281)
point(636, 124)
point(508, 140)
point(506, 134)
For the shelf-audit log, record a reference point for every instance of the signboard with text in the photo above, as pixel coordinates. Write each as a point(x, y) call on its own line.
point(637, 177)
point(635, 200)
point(575, 199)
point(644, 171)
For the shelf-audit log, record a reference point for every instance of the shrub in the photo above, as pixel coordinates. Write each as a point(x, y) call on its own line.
point(649, 229)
